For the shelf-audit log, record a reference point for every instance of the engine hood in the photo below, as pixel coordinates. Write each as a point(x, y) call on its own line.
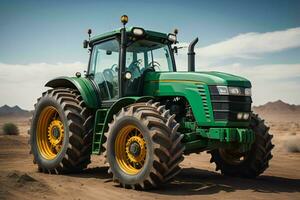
point(207, 77)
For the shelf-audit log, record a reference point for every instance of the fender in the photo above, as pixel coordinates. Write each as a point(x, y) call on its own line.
point(123, 102)
point(83, 85)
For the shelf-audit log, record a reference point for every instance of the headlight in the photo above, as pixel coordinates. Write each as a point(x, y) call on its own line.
point(234, 91)
point(223, 90)
point(246, 116)
point(172, 37)
point(248, 92)
point(138, 31)
point(240, 115)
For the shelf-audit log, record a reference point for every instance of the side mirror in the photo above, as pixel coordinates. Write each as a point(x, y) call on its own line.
point(85, 44)
point(175, 49)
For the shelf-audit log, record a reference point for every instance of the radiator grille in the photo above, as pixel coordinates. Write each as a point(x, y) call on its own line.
point(225, 107)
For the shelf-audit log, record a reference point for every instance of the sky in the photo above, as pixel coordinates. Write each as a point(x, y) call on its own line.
point(257, 39)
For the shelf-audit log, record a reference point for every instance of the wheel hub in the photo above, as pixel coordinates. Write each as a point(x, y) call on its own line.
point(55, 133)
point(135, 149)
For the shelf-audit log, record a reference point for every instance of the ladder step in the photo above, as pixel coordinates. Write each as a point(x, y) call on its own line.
point(99, 128)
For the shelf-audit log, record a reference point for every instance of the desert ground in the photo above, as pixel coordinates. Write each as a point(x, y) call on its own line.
point(19, 178)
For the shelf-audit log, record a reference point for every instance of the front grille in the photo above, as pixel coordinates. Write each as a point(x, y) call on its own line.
point(225, 107)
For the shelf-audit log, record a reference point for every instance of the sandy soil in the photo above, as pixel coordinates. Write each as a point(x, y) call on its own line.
point(19, 178)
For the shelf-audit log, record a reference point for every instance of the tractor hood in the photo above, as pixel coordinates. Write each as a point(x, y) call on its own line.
point(208, 78)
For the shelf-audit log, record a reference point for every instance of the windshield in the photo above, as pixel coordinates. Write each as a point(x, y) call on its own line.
point(144, 54)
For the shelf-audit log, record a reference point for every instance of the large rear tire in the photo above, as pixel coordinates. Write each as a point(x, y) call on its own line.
point(143, 147)
point(249, 164)
point(61, 132)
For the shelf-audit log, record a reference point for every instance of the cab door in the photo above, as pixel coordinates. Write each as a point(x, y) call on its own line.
point(104, 70)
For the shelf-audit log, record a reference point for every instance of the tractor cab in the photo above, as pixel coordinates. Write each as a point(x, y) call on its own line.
point(118, 66)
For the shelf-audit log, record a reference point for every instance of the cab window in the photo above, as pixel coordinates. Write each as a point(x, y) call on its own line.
point(104, 68)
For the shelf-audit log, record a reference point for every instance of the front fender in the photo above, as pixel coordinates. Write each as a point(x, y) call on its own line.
point(83, 85)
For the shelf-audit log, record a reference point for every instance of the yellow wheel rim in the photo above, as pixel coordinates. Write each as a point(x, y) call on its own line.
point(130, 149)
point(50, 133)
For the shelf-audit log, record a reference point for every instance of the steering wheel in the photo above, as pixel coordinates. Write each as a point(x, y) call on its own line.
point(135, 66)
point(154, 64)
point(114, 69)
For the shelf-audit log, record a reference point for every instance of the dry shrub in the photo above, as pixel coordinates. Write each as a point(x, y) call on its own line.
point(292, 144)
point(10, 129)
point(292, 133)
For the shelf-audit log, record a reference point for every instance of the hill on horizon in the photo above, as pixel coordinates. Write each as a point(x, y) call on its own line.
point(15, 111)
point(278, 107)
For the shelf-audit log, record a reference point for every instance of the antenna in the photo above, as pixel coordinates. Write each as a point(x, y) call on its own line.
point(175, 31)
point(89, 32)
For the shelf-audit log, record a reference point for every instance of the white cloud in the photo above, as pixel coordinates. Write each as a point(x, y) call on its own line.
point(249, 45)
point(23, 84)
point(245, 46)
point(267, 72)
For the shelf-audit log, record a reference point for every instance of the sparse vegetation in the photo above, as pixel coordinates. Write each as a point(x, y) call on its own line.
point(292, 144)
point(10, 129)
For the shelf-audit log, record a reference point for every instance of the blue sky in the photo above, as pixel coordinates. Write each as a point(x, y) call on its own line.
point(37, 34)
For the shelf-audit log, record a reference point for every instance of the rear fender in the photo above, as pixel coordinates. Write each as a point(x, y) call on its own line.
point(83, 85)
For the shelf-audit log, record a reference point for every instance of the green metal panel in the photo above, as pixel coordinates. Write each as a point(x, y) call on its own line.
point(208, 78)
point(194, 87)
point(211, 138)
point(83, 85)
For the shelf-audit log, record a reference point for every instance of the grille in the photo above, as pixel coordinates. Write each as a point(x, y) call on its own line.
point(225, 107)
point(204, 100)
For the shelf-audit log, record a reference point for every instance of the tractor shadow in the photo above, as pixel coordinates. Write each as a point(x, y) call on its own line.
point(192, 181)
point(96, 172)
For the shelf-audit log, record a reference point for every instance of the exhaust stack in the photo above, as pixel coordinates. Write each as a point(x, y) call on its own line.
point(191, 55)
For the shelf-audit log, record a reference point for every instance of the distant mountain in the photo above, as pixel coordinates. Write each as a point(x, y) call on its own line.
point(13, 111)
point(277, 107)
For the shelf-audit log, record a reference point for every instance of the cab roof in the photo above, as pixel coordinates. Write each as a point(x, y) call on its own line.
point(128, 30)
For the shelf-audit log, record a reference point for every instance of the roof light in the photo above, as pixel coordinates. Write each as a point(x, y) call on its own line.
point(138, 31)
point(124, 19)
point(172, 38)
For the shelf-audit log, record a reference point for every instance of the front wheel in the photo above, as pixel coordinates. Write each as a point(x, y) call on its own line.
point(60, 133)
point(143, 147)
point(249, 164)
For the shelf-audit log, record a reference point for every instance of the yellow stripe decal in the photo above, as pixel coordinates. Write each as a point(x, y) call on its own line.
point(176, 81)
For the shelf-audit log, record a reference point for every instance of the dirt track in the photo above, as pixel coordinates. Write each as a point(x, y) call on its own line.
point(19, 179)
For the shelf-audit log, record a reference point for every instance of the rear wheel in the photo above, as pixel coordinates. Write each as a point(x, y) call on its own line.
point(61, 131)
point(143, 147)
point(249, 164)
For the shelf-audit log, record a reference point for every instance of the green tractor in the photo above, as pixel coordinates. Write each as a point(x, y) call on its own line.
point(133, 107)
